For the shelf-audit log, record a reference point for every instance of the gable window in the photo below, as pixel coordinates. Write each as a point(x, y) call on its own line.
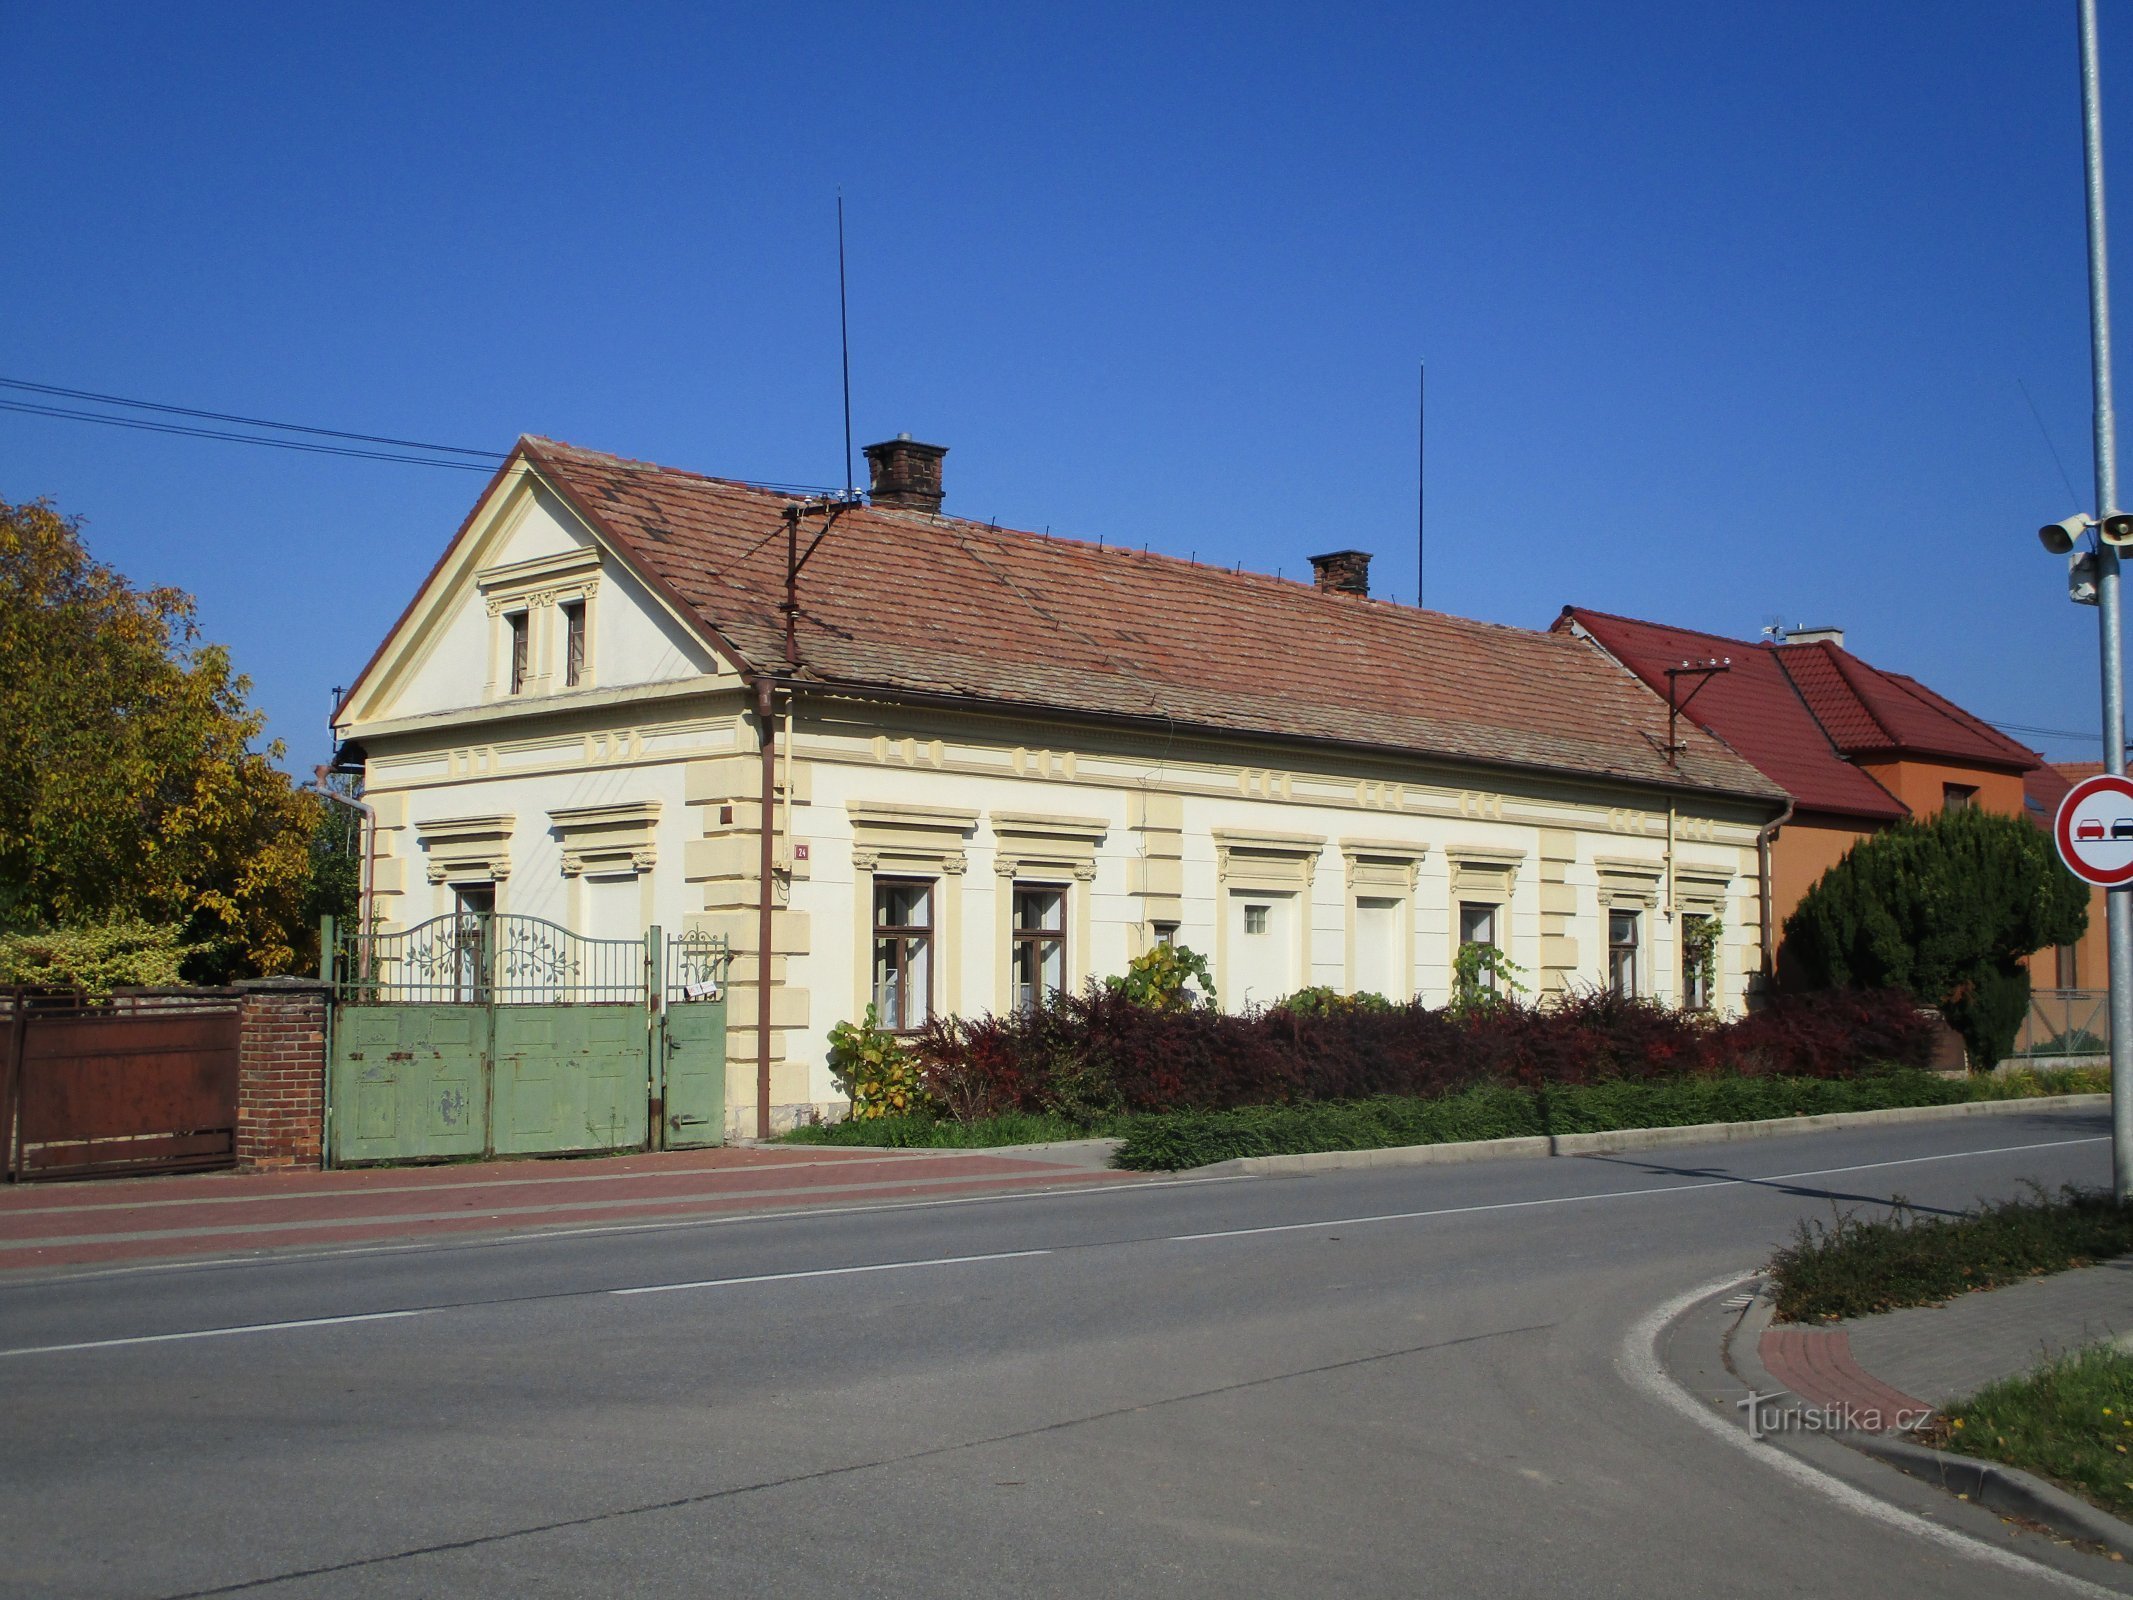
point(573, 643)
point(1624, 930)
point(903, 954)
point(1040, 946)
point(515, 622)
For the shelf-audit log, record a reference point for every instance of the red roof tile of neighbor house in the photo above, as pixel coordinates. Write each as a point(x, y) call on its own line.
point(1869, 711)
point(912, 603)
point(1803, 712)
point(2045, 786)
point(1754, 707)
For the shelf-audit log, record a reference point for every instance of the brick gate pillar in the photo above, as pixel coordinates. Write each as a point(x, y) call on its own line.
point(281, 1074)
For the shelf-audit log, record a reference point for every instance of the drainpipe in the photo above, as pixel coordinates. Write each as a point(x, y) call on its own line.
point(767, 728)
point(1769, 918)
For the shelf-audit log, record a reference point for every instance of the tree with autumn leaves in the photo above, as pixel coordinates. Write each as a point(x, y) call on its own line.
point(137, 810)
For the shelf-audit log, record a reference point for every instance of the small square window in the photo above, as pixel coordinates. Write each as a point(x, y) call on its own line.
point(1165, 932)
point(1958, 796)
point(1255, 918)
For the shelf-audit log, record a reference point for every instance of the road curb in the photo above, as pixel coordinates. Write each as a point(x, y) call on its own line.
point(2007, 1490)
point(1626, 1139)
point(1069, 1151)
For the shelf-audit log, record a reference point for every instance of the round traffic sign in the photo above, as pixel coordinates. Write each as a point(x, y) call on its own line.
point(2094, 828)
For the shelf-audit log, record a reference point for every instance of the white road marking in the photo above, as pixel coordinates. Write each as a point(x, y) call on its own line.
point(1617, 1194)
point(830, 1272)
point(213, 1333)
point(1639, 1360)
point(472, 1241)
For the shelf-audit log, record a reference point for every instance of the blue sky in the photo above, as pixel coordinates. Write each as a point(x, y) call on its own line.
point(1728, 309)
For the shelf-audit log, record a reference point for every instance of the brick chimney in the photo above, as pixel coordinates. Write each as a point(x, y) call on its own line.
point(905, 474)
point(1342, 572)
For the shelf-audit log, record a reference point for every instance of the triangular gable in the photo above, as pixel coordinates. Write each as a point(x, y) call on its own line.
point(438, 656)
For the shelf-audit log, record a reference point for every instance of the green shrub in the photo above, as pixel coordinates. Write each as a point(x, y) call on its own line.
point(1852, 1267)
point(1482, 977)
point(1162, 978)
point(1944, 908)
point(873, 1067)
point(124, 954)
point(1320, 1000)
point(1171, 1141)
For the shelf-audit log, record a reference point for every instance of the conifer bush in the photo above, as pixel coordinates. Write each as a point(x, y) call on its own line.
point(1943, 909)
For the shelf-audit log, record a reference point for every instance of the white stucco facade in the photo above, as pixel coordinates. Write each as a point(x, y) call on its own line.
point(633, 794)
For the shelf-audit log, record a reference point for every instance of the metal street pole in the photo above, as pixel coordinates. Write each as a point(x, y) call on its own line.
point(2118, 903)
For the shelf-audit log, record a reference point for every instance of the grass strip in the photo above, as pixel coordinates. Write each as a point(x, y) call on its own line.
point(1853, 1267)
point(1172, 1141)
point(2071, 1421)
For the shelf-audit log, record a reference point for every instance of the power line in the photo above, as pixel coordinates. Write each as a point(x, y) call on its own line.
point(483, 460)
point(2092, 736)
point(143, 424)
point(249, 422)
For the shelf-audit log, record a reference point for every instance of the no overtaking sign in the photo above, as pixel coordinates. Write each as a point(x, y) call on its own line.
point(2095, 830)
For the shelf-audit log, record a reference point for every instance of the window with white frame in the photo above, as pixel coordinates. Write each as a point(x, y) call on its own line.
point(1698, 960)
point(1039, 955)
point(1624, 936)
point(903, 953)
point(1478, 923)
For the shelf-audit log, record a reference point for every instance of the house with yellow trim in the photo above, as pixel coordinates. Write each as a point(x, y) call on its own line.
point(904, 759)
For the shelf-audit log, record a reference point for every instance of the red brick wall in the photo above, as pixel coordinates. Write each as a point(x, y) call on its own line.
point(281, 1074)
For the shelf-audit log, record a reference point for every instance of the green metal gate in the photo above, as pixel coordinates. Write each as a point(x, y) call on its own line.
point(485, 1035)
point(693, 1026)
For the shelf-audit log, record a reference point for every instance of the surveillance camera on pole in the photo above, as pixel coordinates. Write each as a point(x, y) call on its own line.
point(2060, 537)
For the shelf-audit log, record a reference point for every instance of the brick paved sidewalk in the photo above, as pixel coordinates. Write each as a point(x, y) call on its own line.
point(43, 1226)
point(1929, 1355)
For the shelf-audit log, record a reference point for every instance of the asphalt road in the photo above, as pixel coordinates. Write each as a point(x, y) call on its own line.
point(1389, 1382)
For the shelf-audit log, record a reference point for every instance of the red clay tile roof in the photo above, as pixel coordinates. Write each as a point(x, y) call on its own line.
point(1868, 711)
point(2045, 786)
point(1754, 707)
point(910, 603)
point(1804, 712)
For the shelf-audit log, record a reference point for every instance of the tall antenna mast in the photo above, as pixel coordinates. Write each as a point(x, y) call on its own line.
point(844, 341)
point(1421, 475)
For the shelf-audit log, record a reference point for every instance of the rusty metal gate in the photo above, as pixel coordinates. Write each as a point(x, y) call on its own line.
point(478, 1034)
point(134, 1084)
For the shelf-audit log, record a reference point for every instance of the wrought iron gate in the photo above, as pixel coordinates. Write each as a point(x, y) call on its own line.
point(477, 1034)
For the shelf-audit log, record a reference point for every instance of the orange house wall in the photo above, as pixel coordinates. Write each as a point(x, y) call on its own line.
point(1918, 784)
point(1805, 848)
